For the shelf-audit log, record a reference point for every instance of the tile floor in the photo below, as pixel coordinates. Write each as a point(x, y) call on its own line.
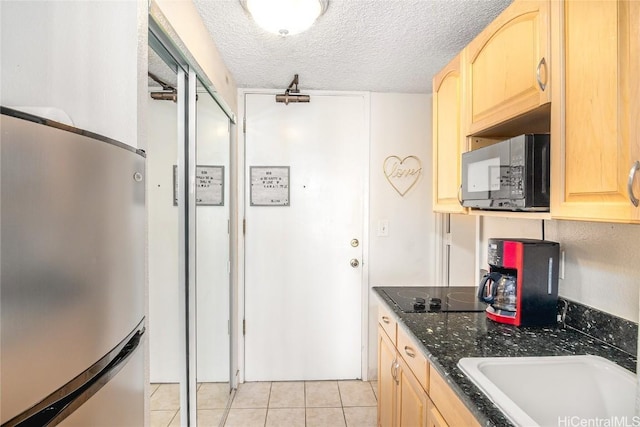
point(273, 404)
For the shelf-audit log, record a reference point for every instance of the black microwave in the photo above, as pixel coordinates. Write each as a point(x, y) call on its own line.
point(509, 175)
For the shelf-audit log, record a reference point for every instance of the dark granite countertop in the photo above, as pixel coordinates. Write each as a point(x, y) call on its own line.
point(448, 337)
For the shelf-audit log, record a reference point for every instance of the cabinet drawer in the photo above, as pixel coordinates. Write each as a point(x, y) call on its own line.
point(388, 322)
point(414, 358)
point(454, 412)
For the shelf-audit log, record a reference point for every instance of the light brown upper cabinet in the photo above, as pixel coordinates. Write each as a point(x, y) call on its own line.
point(595, 117)
point(507, 67)
point(448, 137)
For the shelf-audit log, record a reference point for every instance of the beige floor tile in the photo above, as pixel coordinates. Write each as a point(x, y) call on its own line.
point(285, 417)
point(374, 386)
point(287, 395)
point(210, 417)
point(325, 417)
point(246, 418)
point(213, 395)
point(161, 418)
point(252, 395)
point(322, 394)
point(153, 388)
point(361, 416)
point(166, 398)
point(356, 393)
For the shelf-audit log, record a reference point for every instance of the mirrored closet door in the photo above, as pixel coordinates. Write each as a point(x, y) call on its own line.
point(165, 321)
point(212, 259)
point(189, 242)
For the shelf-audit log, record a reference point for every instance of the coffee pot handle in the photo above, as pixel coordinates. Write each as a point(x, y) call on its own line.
point(492, 277)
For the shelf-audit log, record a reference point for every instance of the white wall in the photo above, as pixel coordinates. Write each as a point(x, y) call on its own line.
point(80, 57)
point(602, 260)
point(400, 126)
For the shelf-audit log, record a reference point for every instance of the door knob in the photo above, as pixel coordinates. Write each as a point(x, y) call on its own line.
point(354, 263)
point(355, 243)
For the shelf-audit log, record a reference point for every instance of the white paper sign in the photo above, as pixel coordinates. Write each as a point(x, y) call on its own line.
point(210, 185)
point(269, 185)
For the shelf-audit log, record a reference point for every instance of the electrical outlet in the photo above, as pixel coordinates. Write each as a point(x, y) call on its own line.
point(561, 269)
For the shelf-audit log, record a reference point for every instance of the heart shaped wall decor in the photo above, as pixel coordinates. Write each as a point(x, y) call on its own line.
point(402, 174)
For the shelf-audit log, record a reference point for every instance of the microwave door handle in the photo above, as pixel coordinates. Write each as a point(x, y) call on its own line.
point(460, 195)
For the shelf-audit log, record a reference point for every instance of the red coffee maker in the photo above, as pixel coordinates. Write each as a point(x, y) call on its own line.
point(521, 286)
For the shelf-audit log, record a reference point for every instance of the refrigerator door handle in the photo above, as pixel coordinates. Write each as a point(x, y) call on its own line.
point(62, 402)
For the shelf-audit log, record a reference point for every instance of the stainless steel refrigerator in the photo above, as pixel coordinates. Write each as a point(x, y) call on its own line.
point(72, 249)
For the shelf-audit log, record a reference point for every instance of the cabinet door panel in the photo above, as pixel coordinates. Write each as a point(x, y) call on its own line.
point(447, 138)
point(434, 418)
point(504, 65)
point(448, 403)
point(593, 136)
point(634, 99)
point(412, 399)
point(386, 382)
point(591, 91)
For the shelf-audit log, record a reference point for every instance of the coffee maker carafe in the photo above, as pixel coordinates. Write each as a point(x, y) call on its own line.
point(521, 286)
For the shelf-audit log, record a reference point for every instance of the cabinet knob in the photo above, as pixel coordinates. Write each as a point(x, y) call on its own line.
point(632, 174)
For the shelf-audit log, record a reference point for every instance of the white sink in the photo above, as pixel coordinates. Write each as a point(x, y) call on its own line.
point(555, 390)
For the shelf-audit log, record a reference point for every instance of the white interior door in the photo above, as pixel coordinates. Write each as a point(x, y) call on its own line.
point(303, 300)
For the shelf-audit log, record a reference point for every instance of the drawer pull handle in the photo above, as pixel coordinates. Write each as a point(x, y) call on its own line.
point(409, 351)
point(632, 174)
point(385, 319)
point(394, 371)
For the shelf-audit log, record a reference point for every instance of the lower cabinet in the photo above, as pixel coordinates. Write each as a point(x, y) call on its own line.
point(448, 405)
point(434, 418)
point(410, 394)
point(412, 399)
point(386, 379)
point(401, 399)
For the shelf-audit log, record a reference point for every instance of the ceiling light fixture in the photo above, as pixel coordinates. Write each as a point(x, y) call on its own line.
point(285, 17)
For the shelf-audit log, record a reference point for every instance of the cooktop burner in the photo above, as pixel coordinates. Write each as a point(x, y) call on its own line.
point(430, 299)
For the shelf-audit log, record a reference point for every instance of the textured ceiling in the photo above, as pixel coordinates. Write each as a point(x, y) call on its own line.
point(361, 45)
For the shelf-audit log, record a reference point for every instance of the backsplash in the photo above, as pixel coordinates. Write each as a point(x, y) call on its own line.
point(613, 330)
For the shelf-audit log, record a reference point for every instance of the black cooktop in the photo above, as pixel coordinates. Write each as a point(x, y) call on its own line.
point(431, 299)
